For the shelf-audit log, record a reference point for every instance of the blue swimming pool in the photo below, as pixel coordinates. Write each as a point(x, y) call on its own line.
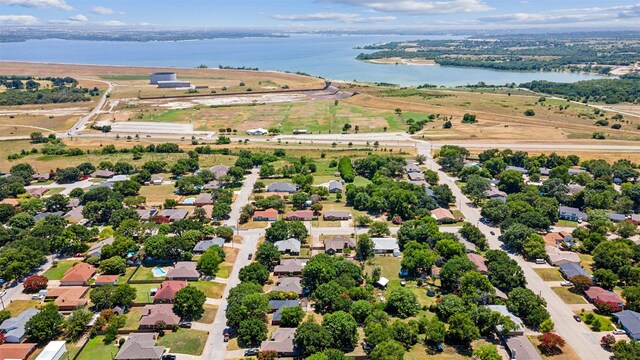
point(158, 272)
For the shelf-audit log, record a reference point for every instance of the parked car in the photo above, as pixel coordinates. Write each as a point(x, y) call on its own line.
point(619, 332)
point(226, 337)
point(431, 293)
point(168, 357)
point(540, 261)
point(492, 232)
point(577, 318)
point(79, 255)
point(566, 283)
point(251, 352)
point(250, 256)
point(186, 325)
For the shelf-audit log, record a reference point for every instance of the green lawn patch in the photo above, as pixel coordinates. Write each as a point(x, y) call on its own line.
point(549, 274)
point(18, 306)
point(133, 318)
point(586, 261)
point(605, 322)
point(211, 289)
point(184, 341)
point(566, 223)
point(568, 296)
point(224, 271)
point(56, 272)
point(143, 291)
point(146, 273)
point(209, 314)
point(97, 350)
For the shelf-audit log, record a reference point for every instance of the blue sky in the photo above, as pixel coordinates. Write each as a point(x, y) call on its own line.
point(323, 14)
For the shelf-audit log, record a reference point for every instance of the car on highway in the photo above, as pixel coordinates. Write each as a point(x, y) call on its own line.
point(577, 318)
point(251, 352)
point(566, 283)
point(619, 332)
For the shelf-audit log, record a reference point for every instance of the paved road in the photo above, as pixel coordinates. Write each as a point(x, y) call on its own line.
point(215, 347)
point(82, 122)
point(583, 341)
point(67, 187)
point(13, 292)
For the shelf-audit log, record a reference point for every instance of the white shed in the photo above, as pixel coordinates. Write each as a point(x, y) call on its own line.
point(53, 351)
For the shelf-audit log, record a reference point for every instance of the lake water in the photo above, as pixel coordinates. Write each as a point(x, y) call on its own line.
point(332, 57)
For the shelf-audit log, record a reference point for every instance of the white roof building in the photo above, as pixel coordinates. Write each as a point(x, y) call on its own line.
point(53, 351)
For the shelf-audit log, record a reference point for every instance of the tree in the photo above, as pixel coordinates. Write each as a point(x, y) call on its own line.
point(632, 295)
point(443, 195)
point(511, 181)
point(311, 338)
point(361, 309)
point(495, 211)
point(45, 325)
point(327, 297)
point(268, 254)
point(388, 350)
point(364, 248)
point(113, 266)
point(475, 187)
point(56, 202)
point(476, 288)
point(533, 247)
point(550, 343)
point(515, 236)
point(379, 229)
point(528, 306)
point(252, 331)
point(581, 282)
point(209, 261)
point(189, 303)
point(529, 112)
point(452, 271)
point(291, 316)
point(403, 302)
point(471, 233)
point(35, 283)
point(487, 352)
point(462, 330)
point(343, 328)
point(624, 350)
point(404, 333)
point(76, 324)
point(547, 326)
point(123, 295)
point(435, 331)
point(329, 354)
point(255, 272)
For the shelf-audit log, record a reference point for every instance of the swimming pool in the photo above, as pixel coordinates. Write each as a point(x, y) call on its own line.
point(158, 272)
point(189, 201)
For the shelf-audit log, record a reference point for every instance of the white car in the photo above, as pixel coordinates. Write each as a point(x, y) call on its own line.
point(619, 332)
point(566, 283)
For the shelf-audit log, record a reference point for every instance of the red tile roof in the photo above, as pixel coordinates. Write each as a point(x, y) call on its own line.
point(266, 214)
point(81, 272)
point(16, 351)
point(168, 289)
point(478, 261)
point(596, 293)
point(106, 279)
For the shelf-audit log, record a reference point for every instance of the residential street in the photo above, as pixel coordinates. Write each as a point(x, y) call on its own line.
point(583, 341)
point(12, 293)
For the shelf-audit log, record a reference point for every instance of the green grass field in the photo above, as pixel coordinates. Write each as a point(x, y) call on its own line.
point(549, 274)
point(184, 341)
point(211, 289)
point(142, 292)
point(133, 318)
point(605, 322)
point(97, 350)
point(145, 273)
point(567, 296)
point(56, 272)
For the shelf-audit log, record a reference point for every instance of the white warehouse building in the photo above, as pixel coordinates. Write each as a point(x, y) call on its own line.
point(157, 77)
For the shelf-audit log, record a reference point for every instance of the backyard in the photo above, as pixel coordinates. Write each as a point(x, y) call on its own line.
point(184, 341)
point(57, 272)
point(96, 349)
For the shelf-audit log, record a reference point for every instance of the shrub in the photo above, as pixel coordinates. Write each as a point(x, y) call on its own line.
point(35, 283)
point(529, 112)
point(346, 169)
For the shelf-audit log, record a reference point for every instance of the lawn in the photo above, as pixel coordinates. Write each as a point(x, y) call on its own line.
point(420, 352)
point(156, 194)
point(142, 292)
point(133, 318)
point(254, 225)
point(552, 274)
point(225, 270)
point(97, 350)
point(145, 273)
point(209, 314)
point(605, 322)
point(567, 296)
point(184, 341)
point(127, 274)
point(586, 261)
point(390, 266)
point(56, 272)
point(566, 223)
point(567, 351)
point(211, 289)
point(18, 306)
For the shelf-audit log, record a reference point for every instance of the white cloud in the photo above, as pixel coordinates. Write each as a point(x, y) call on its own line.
point(565, 16)
point(419, 6)
point(18, 20)
point(101, 10)
point(79, 18)
point(39, 4)
point(341, 17)
point(112, 23)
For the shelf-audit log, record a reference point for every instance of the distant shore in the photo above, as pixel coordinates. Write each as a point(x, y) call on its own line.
point(401, 61)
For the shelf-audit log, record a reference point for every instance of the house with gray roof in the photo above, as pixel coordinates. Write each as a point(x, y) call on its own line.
point(494, 193)
point(45, 214)
point(335, 186)
point(213, 185)
point(104, 174)
point(519, 169)
point(75, 215)
point(277, 306)
point(14, 328)
point(415, 176)
point(146, 214)
point(203, 245)
point(173, 215)
point(140, 346)
point(630, 322)
point(411, 168)
point(282, 187)
point(520, 348)
point(335, 215)
point(219, 170)
point(42, 176)
point(338, 244)
point(281, 342)
point(571, 214)
point(289, 267)
point(203, 199)
point(183, 270)
point(386, 245)
point(289, 285)
point(502, 309)
point(569, 270)
point(615, 217)
point(96, 249)
point(290, 246)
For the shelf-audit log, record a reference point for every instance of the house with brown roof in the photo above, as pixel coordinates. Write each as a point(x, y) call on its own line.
point(289, 267)
point(288, 285)
point(74, 215)
point(16, 351)
point(266, 215)
point(299, 215)
point(106, 280)
point(42, 176)
point(219, 170)
point(167, 291)
point(183, 270)
point(281, 195)
point(12, 202)
point(281, 342)
point(479, 262)
point(596, 293)
point(68, 298)
point(104, 174)
point(415, 176)
point(38, 192)
point(203, 199)
point(152, 314)
point(78, 275)
point(557, 257)
point(338, 244)
point(172, 215)
point(336, 215)
point(140, 346)
point(442, 215)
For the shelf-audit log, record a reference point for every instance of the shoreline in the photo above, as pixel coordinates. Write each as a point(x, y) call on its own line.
point(401, 61)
